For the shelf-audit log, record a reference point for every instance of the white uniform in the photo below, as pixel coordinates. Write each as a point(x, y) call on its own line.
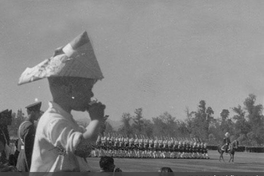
point(57, 130)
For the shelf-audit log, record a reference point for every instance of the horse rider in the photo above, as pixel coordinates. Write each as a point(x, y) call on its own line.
point(226, 142)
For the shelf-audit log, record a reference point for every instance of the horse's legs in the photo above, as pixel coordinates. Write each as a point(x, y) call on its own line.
point(232, 156)
point(221, 156)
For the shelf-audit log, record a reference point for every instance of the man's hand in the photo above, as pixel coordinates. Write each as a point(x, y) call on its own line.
point(96, 111)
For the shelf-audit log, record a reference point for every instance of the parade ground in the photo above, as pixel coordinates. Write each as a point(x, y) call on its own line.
point(244, 162)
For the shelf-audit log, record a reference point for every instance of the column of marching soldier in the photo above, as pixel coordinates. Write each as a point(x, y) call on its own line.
point(144, 147)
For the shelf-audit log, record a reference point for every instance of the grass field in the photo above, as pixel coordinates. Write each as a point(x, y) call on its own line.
point(244, 162)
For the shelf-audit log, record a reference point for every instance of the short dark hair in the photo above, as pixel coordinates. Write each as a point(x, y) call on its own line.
point(105, 162)
point(166, 169)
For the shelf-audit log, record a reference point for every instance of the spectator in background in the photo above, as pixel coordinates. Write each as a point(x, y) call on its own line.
point(5, 120)
point(26, 134)
point(16, 152)
point(7, 168)
point(165, 171)
point(107, 164)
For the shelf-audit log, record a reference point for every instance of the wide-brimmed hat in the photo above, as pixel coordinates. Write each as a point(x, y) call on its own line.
point(76, 59)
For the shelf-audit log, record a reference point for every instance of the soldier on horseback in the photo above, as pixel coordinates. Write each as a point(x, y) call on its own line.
point(226, 142)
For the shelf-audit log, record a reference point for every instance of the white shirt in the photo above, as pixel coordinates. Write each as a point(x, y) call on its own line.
point(56, 128)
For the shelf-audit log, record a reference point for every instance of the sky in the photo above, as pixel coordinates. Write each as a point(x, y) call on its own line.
point(158, 55)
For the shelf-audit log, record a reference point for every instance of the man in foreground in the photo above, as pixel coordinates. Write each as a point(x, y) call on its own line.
point(60, 143)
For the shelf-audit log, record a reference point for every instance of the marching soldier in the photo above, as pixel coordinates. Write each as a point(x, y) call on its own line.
point(141, 147)
point(156, 146)
point(130, 146)
point(183, 149)
point(121, 146)
point(202, 150)
point(190, 148)
point(198, 150)
point(116, 144)
point(151, 147)
point(103, 145)
point(176, 147)
point(145, 145)
point(206, 151)
point(164, 148)
point(97, 149)
point(126, 140)
point(170, 148)
point(187, 149)
point(160, 147)
point(136, 146)
point(180, 149)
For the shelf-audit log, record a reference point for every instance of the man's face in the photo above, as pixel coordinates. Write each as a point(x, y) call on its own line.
point(37, 115)
point(82, 94)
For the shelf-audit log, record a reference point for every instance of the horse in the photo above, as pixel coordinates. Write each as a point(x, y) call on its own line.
point(231, 150)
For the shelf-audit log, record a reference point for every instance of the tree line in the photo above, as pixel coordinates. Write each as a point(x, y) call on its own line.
point(246, 125)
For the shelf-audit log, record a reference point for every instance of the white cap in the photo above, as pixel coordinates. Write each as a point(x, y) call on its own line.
point(227, 134)
point(76, 59)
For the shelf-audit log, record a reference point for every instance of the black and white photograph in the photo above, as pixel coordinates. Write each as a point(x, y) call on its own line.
point(132, 86)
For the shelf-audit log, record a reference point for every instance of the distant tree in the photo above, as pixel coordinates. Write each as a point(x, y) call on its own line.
point(159, 126)
point(209, 121)
point(241, 127)
point(165, 125)
point(190, 115)
point(106, 128)
point(224, 114)
point(138, 124)
point(183, 129)
point(255, 120)
point(126, 128)
point(226, 123)
point(254, 116)
point(147, 128)
point(202, 120)
point(249, 122)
